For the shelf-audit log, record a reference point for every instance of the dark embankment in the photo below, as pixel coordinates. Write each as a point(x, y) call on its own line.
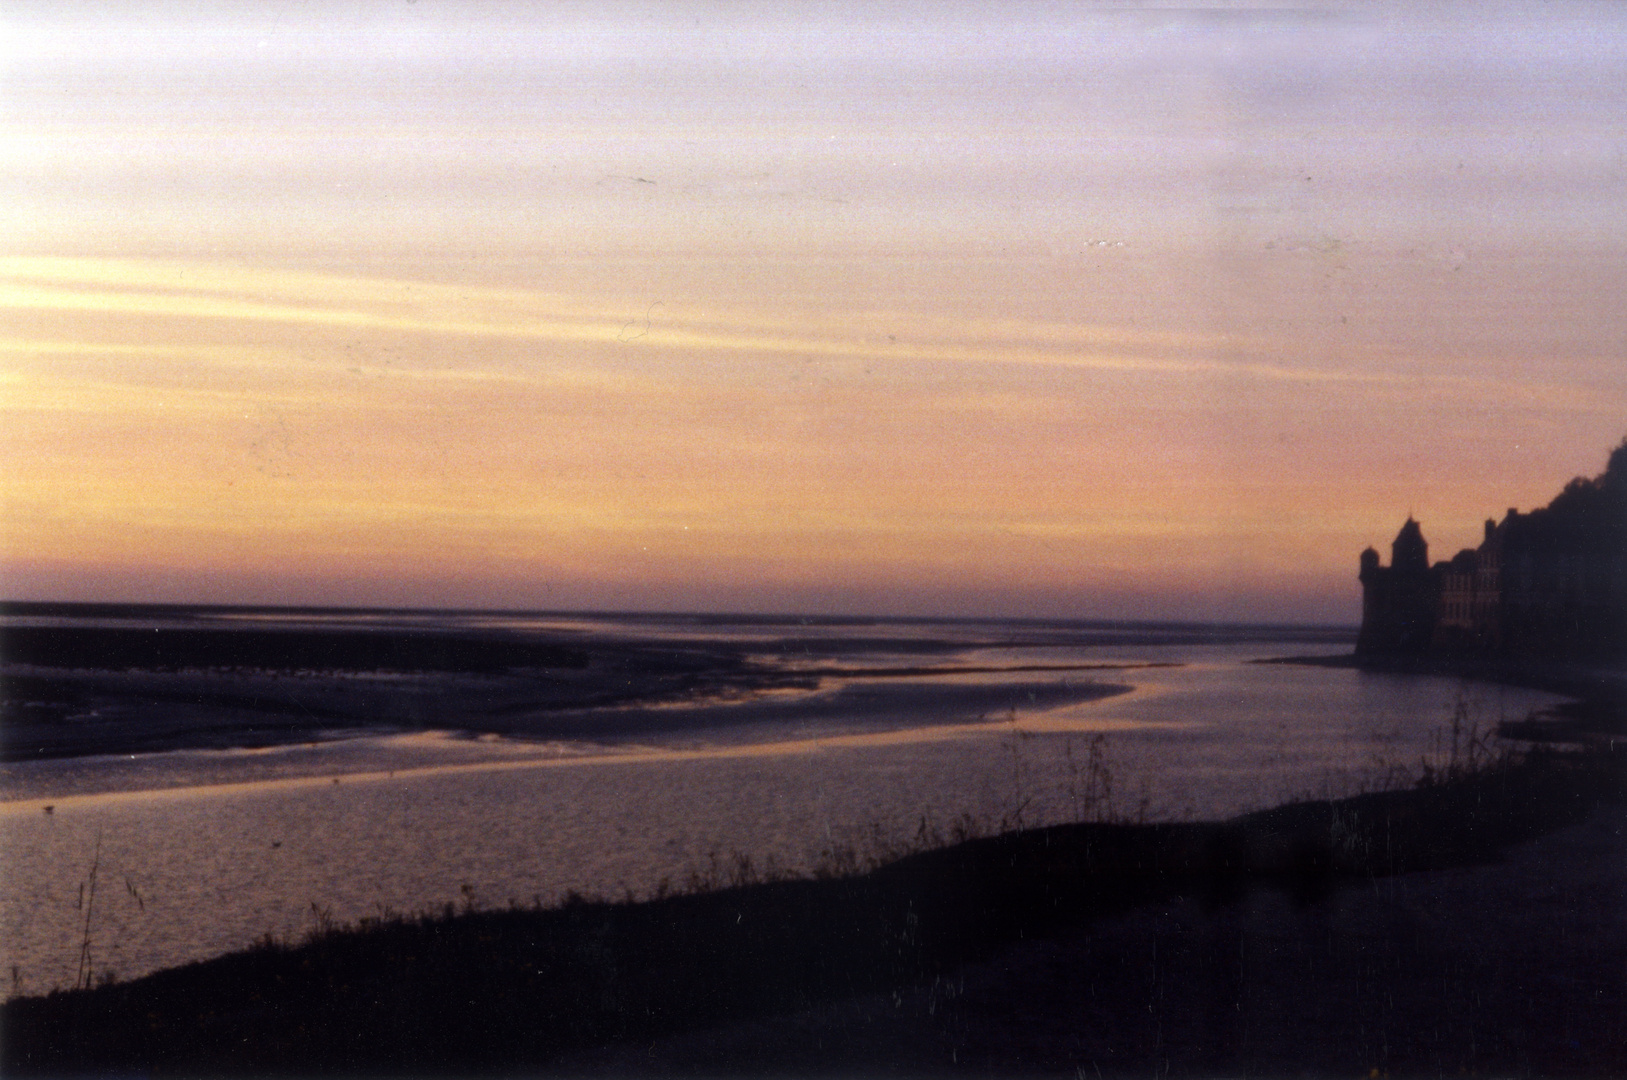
point(595, 985)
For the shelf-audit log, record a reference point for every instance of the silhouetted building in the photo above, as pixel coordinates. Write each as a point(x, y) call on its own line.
point(1399, 601)
point(1551, 584)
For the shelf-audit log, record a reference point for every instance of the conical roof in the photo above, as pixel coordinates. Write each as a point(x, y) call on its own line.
point(1410, 548)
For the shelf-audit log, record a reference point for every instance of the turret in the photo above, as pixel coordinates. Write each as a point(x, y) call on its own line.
point(1410, 551)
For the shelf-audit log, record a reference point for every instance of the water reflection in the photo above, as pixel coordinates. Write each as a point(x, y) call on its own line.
point(205, 851)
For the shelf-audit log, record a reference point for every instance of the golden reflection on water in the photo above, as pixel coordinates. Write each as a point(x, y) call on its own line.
point(1066, 719)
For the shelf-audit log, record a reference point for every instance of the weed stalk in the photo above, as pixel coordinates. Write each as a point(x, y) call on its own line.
point(82, 976)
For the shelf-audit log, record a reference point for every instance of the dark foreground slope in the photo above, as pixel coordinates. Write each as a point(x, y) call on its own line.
point(1119, 948)
point(1507, 969)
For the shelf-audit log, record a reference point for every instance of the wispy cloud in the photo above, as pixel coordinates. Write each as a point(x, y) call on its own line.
point(200, 292)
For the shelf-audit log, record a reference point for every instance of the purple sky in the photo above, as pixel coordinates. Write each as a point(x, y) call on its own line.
point(986, 308)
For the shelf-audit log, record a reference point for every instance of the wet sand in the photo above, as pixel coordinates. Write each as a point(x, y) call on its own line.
point(79, 691)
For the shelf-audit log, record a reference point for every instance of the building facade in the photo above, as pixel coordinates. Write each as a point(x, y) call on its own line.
point(1550, 584)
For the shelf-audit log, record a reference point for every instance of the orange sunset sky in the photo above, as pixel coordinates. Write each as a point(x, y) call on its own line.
point(1023, 309)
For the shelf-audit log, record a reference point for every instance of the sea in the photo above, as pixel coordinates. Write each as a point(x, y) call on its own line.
point(158, 808)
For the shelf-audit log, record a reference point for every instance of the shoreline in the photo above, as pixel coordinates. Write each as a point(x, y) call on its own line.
point(108, 693)
point(543, 722)
point(1511, 967)
point(559, 989)
point(1572, 680)
point(1596, 712)
point(143, 679)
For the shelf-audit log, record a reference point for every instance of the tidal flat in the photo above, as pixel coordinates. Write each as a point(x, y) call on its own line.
point(891, 806)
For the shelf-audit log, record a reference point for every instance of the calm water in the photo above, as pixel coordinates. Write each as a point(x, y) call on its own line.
point(198, 852)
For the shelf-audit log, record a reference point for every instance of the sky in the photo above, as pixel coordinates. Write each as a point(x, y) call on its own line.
point(943, 309)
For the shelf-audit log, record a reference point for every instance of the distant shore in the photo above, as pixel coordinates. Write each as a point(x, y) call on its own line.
point(80, 713)
point(1193, 948)
point(77, 690)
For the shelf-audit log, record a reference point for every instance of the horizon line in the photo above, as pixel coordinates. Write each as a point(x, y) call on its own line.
point(9, 608)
